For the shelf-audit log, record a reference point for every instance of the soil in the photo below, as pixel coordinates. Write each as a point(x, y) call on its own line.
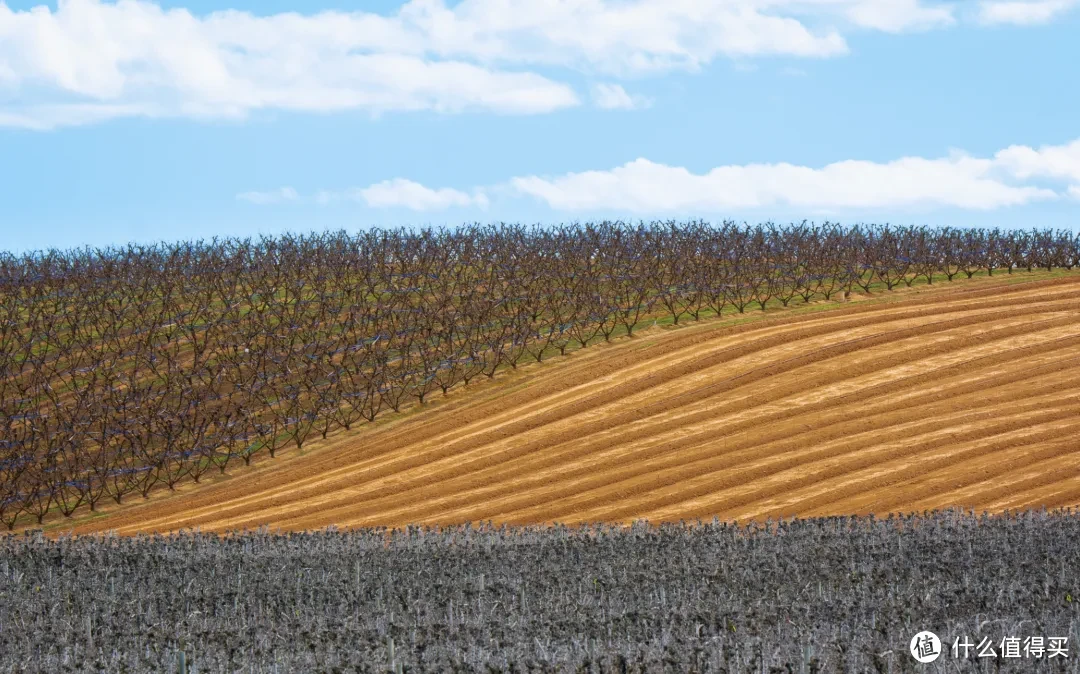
point(966, 395)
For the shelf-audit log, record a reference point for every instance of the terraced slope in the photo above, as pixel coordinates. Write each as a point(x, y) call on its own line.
point(964, 396)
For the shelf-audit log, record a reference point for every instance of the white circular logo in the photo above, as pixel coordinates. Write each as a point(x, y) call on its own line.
point(925, 647)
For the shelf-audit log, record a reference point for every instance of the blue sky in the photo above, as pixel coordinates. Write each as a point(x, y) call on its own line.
point(135, 121)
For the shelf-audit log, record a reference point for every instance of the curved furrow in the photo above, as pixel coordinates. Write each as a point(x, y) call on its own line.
point(458, 456)
point(962, 477)
point(669, 487)
point(385, 445)
point(532, 473)
point(731, 449)
point(908, 458)
point(330, 495)
point(729, 499)
point(1062, 494)
point(643, 425)
point(475, 516)
point(349, 489)
point(994, 487)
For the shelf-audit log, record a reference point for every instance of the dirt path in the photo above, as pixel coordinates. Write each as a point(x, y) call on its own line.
point(963, 396)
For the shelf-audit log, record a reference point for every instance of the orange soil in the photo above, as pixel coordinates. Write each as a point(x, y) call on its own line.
point(964, 396)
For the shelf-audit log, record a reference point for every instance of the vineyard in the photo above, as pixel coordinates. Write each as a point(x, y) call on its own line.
point(127, 370)
point(822, 595)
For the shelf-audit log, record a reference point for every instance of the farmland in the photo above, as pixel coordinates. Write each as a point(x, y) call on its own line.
point(614, 448)
point(828, 595)
point(139, 371)
point(957, 396)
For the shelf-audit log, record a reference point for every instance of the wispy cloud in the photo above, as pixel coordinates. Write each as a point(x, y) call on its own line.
point(280, 195)
point(614, 97)
point(396, 193)
point(897, 16)
point(1024, 12)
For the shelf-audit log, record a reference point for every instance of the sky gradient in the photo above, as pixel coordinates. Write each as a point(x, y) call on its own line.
point(134, 121)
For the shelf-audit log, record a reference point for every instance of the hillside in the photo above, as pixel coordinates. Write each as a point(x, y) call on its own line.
point(964, 394)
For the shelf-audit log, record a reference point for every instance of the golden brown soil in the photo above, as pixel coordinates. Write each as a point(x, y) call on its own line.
point(960, 396)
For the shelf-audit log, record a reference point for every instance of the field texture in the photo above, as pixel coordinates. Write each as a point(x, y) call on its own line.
point(807, 596)
point(959, 396)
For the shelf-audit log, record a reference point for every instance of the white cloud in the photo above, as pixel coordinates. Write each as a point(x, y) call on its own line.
point(619, 36)
point(614, 97)
point(958, 180)
point(89, 60)
point(408, 194)
point(386, 194)
point(911, 182)
point(49, 116)
point(277, 196)
point(1049, 161)
point(895, 16)
point(1024, 12)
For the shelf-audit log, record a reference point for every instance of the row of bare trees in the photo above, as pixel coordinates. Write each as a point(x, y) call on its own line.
point(128, 368)
point(826, 595)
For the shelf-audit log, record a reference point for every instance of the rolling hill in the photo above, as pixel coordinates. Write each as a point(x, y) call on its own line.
point(964, 394)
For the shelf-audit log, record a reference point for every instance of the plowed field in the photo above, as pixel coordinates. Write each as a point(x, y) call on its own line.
point(958, 396)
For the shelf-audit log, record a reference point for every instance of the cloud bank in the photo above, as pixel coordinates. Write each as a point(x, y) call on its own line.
point(646, 187)
point(958, 180)
point(90, 60)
